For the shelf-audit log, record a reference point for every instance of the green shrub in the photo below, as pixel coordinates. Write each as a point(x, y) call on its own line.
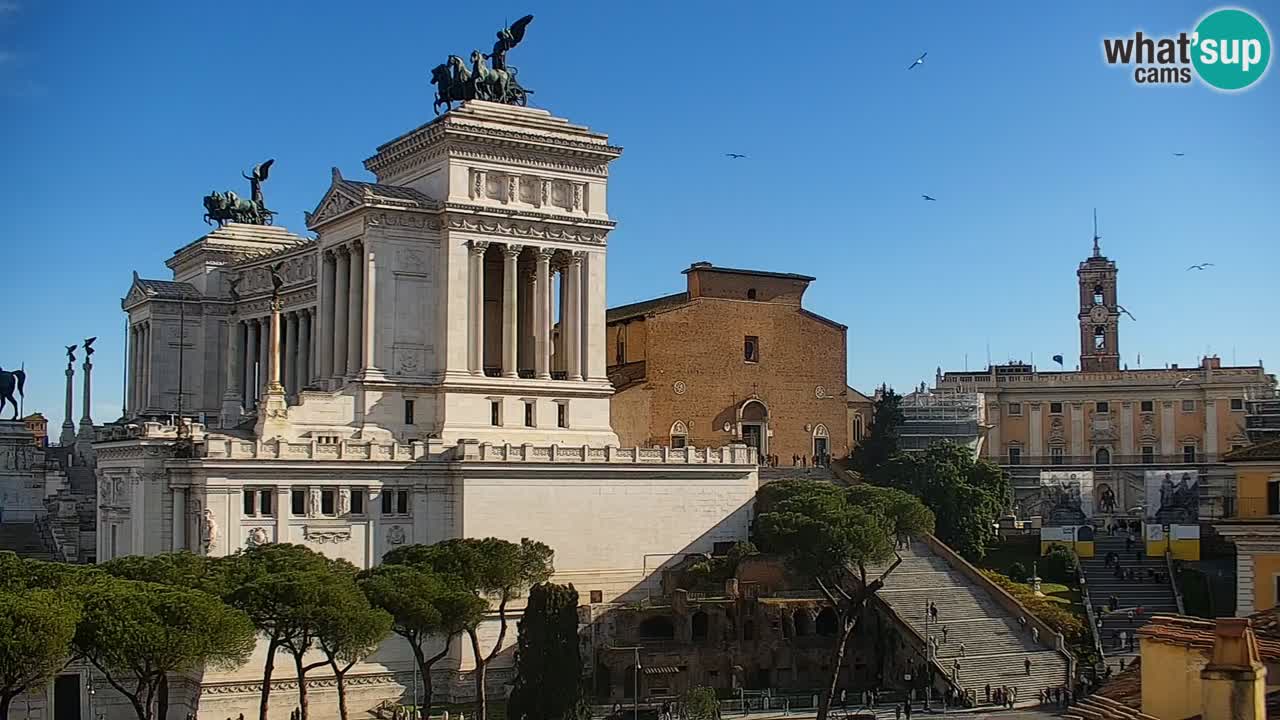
point(1018, 572)
point(1049, 612)
point(1058, 565)
point(700, 703)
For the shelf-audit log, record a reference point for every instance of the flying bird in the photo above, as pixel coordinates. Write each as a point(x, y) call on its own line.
point(918, 61)
point(930, 198)
point(1184, 380)
point(1179, 154)
point(1126, 312)
point(735, 156)
point(1201, 266)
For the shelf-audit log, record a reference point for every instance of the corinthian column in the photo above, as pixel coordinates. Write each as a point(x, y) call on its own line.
point(291, 353)
point(250, 363)
point(302, 361)
point(510, 325)
point(571, 319)
point(342, 276)
point(324, 348)
point(542, 303)
point(475, 349)
point(355, 308)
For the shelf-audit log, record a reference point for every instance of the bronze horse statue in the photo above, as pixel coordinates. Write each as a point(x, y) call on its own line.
point(9, 381)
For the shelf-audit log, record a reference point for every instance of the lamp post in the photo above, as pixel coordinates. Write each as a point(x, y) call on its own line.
point(92, 691)
point(635, 682)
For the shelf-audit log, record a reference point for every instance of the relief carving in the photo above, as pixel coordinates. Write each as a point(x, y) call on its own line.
point(395, 535)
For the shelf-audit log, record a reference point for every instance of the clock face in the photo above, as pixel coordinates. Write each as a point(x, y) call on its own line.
point(1098, 313)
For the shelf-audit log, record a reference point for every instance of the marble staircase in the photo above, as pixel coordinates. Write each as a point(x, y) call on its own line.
point(1152, 597)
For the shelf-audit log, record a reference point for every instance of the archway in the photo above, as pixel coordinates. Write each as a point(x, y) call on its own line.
point(821, 443)
point(753, 419)
point(1102, 456)
point(825, 624)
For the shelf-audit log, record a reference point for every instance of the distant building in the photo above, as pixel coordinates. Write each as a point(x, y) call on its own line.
point(1252, 524)
point(38, 426)
point(933, 417)
point(1108, 420)
point(1262, 414)
point(861, 411)
point(734, 358)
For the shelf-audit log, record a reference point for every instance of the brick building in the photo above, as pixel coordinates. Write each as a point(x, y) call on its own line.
point(735, 357)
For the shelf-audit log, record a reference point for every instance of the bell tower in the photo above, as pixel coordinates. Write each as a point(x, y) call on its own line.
point(1099, 313)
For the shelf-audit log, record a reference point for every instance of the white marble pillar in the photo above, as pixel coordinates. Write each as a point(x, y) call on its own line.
point(231, 394)
point(475, 308)
point(134, 354)
point(302, 368)
point(510, 311)
point(559, 359)
point(291, 353)
point(369, 325)
point(542, 292)
point(341, 300)
point(250, 363)
point(275, 329)
point(525, 319)
point(264, 355)
point(328, 289)
point(179, 515)
point(355, 309)
point(571, 318)
point(146, 367)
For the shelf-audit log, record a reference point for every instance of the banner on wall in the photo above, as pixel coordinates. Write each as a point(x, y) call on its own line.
point(1172, 496)
point(1066, 497)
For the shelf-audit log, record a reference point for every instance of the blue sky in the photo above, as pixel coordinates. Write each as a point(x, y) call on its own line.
point(116, 118)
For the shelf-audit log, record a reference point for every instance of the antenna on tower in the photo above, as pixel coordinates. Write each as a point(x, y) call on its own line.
point(1097, 252)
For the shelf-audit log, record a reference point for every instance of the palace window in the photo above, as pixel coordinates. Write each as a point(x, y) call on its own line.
point(495, 413)
point(357, 502)
point(298, 502)
point(1147, 406)
point(1188, 406)
point(1056, 455)
point(326, 502)
point(1099, 338)
point(1238, 404)
point(394, 502)
point(1102, 406)
point(1055, 408)
point(1015, 408)
point(1148, 455)
point(1102, 456)
point(751, 349)
point(408, 412)
point(258, 502)
point(1188, 453)
point(1015, 456)
point(562, 414)
point(528, 414)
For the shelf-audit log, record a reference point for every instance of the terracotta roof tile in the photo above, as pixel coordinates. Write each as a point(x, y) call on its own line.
point(1126, 687)
point(1269, 450)
point(1199, 634)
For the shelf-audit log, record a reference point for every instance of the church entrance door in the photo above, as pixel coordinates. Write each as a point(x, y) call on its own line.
point(753, 436)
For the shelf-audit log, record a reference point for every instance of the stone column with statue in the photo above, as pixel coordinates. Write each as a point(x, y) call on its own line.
point(273, 411)
point(85, 438)
point(68, 436)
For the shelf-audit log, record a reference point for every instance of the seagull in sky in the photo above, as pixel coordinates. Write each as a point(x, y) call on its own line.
point(919, 61)
point(1183, 381)
point(1126, 312)
point(1201, 266)
point(1179, 154)
point(735, 156)
point(930, 197)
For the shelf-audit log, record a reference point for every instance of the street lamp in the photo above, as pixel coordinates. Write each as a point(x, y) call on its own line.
point(92, 691)
point(635, 682)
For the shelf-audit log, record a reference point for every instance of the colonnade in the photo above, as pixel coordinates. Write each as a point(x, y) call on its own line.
point(346, 297)
point(248, 367)
point(140, 366)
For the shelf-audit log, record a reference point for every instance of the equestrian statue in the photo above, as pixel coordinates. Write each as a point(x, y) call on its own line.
point(11, 380)
point(494, 81)
point(223, 208)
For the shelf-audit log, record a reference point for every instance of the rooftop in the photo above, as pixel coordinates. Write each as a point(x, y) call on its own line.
point(1269, 450)
point(708, 267)
point(644, 307)
point(168, 290)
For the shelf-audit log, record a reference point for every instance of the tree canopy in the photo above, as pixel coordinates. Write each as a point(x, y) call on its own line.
point(946, 477)
point(881, 442)
point(423, 605)
point(36, 627)
point(548, 658)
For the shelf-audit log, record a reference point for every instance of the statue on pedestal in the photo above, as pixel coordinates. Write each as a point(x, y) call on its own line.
point(223, 208)
point(208, 531)
point(11, 380)
point(496, 83)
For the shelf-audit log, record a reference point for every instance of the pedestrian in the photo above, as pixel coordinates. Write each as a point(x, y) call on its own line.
point(1121, 664)
point(933, 611)
point(906, 707)
point(897, 712)
point(988, 692)
point(1026, 664)
point(955, 671)
point(944, 634)
point(962, 648)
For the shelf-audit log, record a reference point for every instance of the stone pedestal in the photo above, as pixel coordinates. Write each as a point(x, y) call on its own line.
point(273, 410)
point(21, 474)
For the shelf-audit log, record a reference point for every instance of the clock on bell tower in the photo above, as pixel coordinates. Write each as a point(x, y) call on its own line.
point(1099, 314)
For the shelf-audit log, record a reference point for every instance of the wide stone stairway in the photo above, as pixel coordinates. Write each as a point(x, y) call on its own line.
point(1153, 597)
point(995, 648)
point(24, 539)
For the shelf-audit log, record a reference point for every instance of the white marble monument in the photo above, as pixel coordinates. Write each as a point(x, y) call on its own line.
point(405, 386)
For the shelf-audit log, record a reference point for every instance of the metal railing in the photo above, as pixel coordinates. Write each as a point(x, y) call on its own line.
point(1092, 462)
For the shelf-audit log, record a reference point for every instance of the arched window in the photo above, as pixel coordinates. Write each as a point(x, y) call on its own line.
point(620, 347)
point(825, 625)
point(857, 428)
point(1102, 456)
point(679, 434)
point(698, 626)
point(1099, 338)
point(657, 628)
point(801, 620)
point(1097, 294)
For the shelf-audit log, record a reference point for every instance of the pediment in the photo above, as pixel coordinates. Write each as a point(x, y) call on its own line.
point(336, 202)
